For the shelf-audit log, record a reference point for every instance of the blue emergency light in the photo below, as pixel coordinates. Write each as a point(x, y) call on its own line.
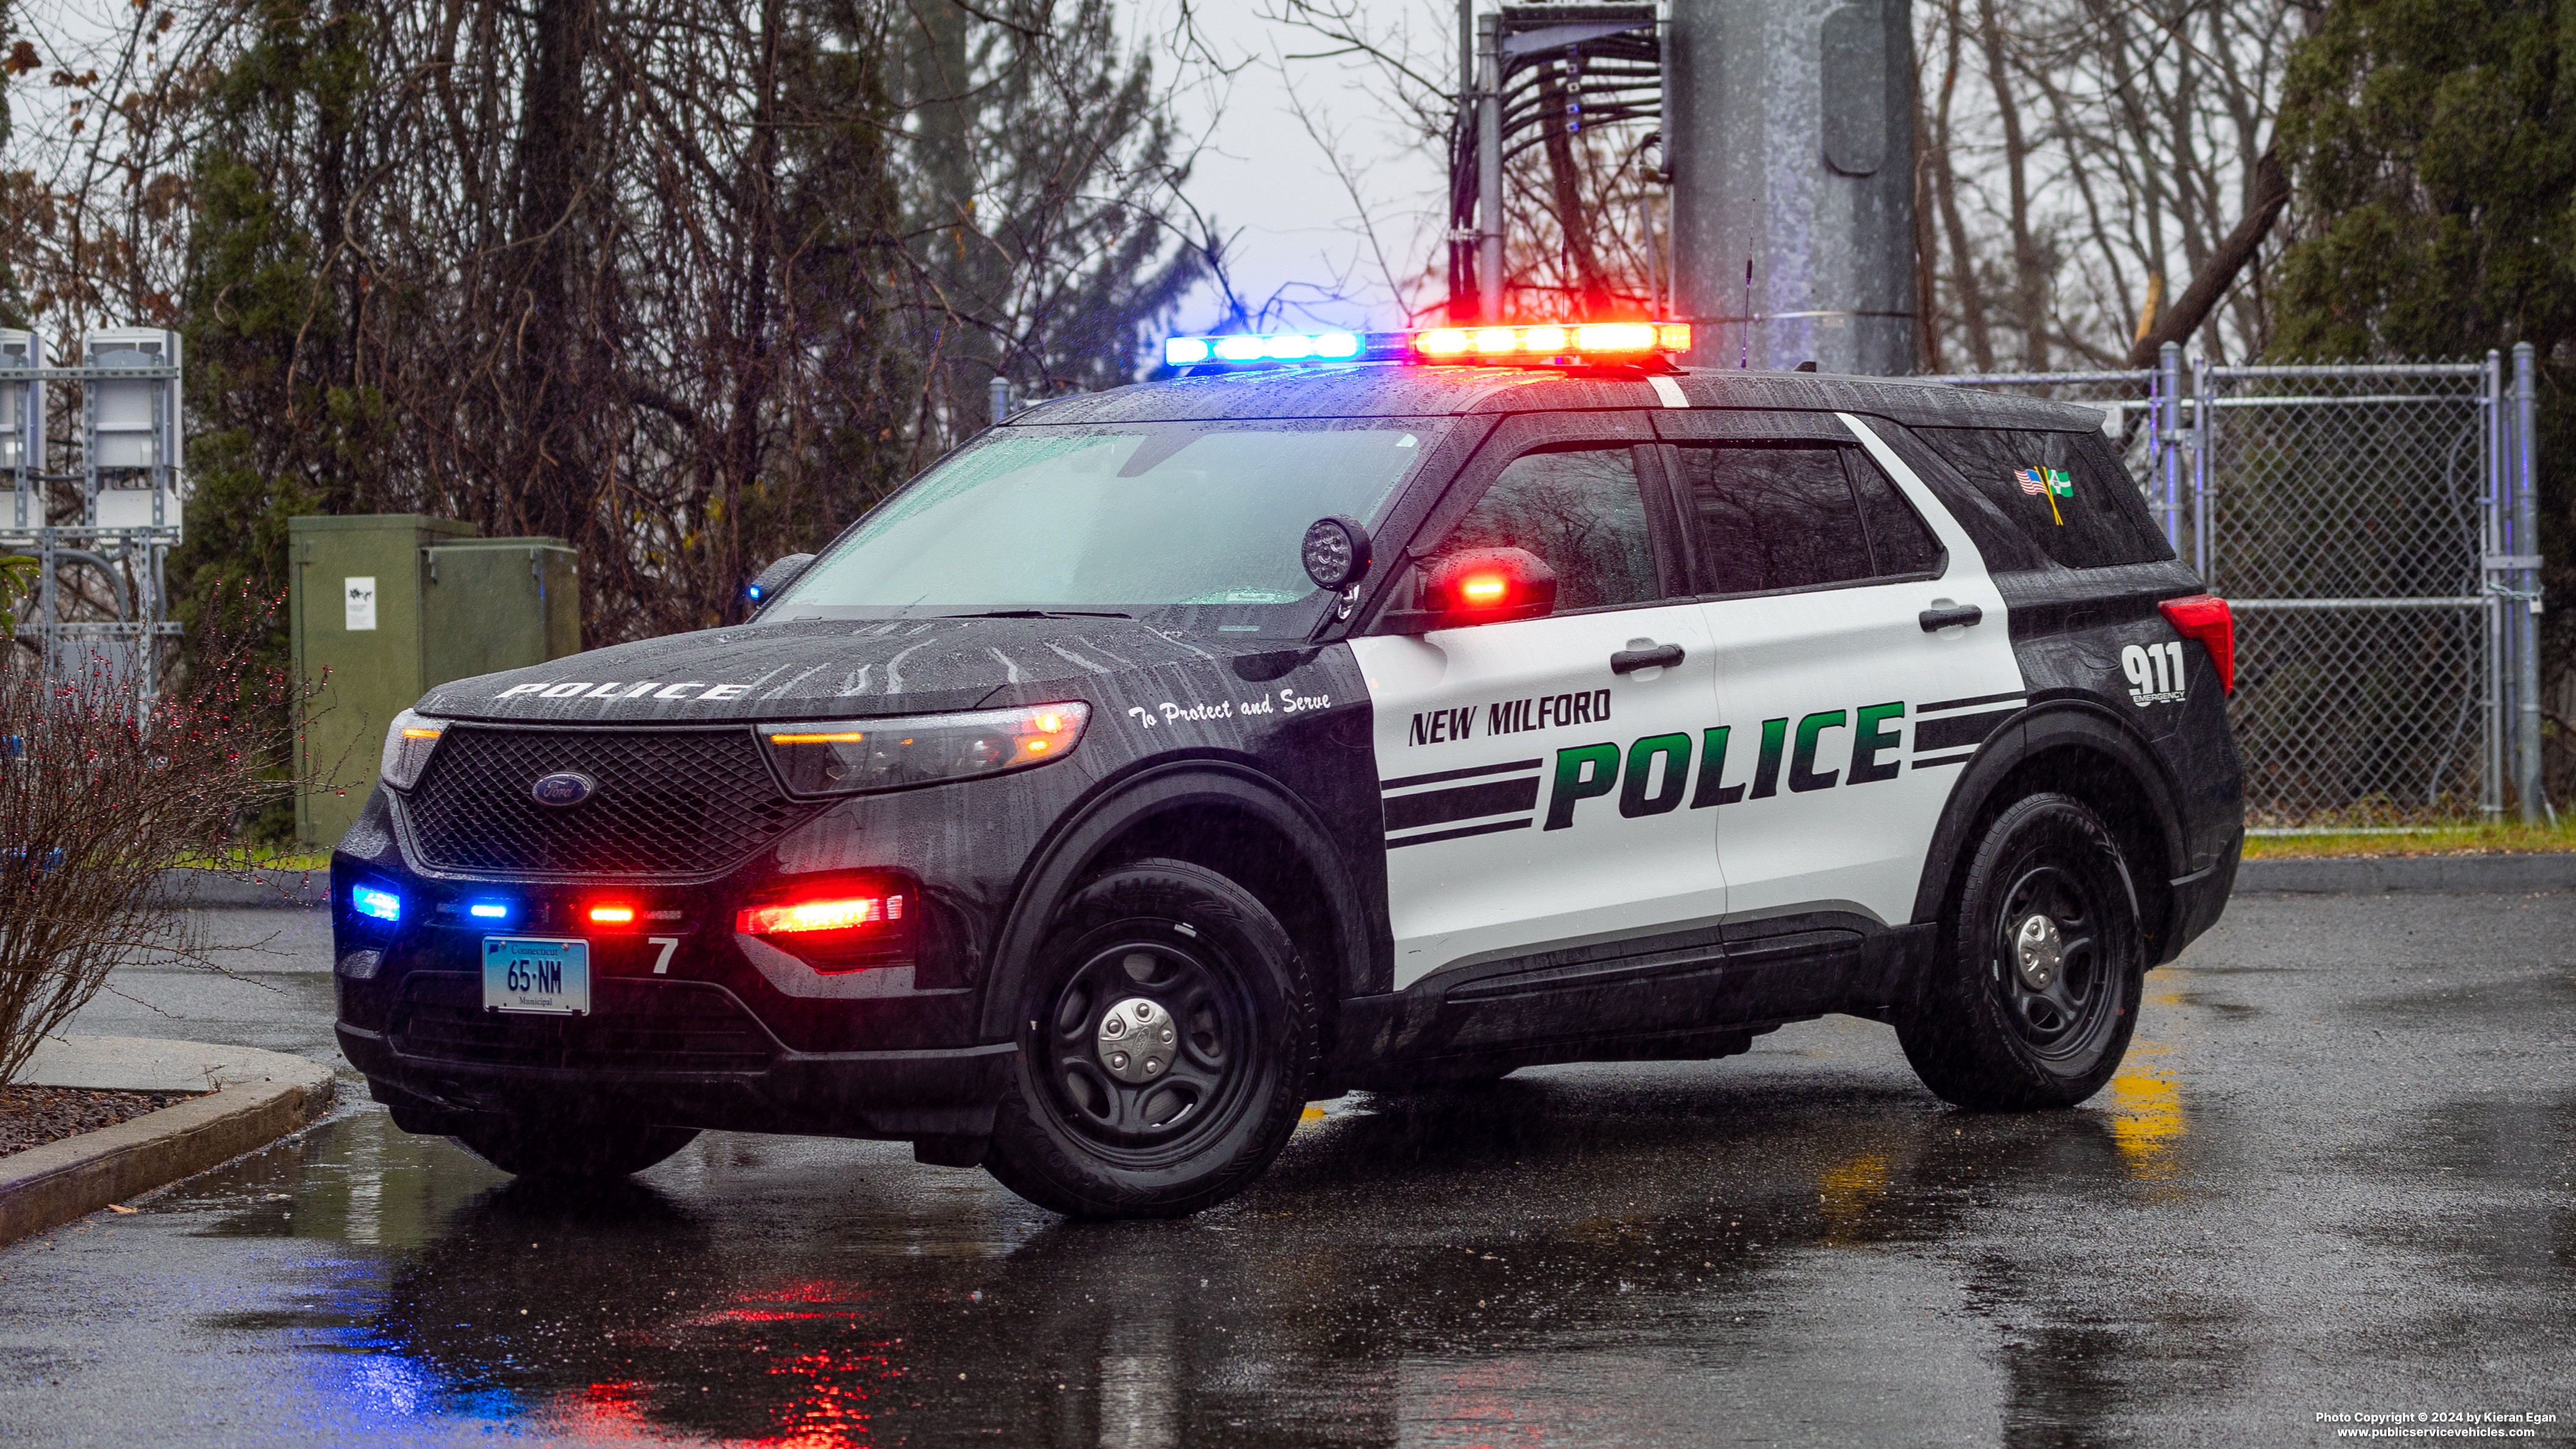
point(1275, 347)
point(384, 905)
point(488, 911)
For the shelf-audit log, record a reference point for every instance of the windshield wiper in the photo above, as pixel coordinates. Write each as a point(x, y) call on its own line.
point(1039, 614)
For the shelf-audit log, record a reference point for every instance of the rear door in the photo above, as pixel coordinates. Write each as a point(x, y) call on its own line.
point(1534, 795)
point(1822, 559)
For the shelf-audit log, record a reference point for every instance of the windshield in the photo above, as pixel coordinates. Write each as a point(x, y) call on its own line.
point(1131, 519)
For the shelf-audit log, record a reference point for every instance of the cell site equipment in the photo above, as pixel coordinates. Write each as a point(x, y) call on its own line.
point(130, 484)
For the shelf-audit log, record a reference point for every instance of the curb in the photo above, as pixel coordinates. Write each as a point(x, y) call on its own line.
point(46, 1186)
point(183, 887)
point(2458, 874)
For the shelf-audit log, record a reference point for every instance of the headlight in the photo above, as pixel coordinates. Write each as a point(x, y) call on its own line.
point(888, 754)
point(408, 741)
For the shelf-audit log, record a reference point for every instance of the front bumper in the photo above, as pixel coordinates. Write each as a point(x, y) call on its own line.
point(680, 1054)
point(691, 1023)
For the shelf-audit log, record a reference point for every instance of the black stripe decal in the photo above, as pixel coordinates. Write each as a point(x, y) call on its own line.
point(1455, 834)
point(1468, 802)
point(2016, 696)
point(1957, 730)
point(1459, 774)
point(1945, 760)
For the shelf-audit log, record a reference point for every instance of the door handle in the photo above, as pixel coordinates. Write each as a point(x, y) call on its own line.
point(1629, 661)
point(1935, 619)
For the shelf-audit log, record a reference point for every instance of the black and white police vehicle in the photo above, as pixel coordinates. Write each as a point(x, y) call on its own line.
point(1397, 709)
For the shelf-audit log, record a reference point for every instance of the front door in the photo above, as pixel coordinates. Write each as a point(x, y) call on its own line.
point(1846, 719)
point(1535, 781)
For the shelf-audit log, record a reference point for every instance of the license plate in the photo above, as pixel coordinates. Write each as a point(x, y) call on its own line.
point(526, 973)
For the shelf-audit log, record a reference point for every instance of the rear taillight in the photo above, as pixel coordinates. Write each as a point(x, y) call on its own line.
point(2206, 617)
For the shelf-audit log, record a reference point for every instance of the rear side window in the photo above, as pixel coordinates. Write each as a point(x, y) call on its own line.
point(1898, 542)
point(1798, 517)
point(2066, 490)
point(1580, 509)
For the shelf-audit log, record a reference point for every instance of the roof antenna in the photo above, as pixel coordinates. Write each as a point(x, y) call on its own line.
point(1744, 362)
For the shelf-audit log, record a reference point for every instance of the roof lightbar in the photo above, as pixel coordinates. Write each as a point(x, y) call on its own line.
point(1540, 344)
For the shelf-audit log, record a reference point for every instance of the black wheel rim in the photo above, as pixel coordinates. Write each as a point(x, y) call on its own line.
point(1132, 1110)
point(2054, 967)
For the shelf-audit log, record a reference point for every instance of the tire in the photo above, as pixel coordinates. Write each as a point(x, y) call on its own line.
point(2034, 987)
point(1091, 1130)
point(573, 1150)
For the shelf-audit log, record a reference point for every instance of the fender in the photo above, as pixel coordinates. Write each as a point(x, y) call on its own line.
point(2048, 725)
point(1061, 864)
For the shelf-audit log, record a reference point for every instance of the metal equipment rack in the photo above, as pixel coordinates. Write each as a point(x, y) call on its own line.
point(130, 483)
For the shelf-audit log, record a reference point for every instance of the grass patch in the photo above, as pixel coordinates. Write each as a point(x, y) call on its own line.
point(264, 860)
point(2499, 839)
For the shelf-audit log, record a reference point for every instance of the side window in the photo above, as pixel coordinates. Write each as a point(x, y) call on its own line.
point(2066, 490)
point(1580, 509)
point(1773, 517)
point(1899, 544)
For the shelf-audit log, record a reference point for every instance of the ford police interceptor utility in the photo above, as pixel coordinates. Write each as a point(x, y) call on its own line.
point(1457, 702)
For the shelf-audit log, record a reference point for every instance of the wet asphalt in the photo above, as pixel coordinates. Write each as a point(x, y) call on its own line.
point(2334, 1178)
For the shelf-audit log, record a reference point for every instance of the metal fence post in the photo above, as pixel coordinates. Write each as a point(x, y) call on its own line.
point(2204, 439)
point(997, 397)
point(2169, 437)
point(2491, 526)
point(2526, 547)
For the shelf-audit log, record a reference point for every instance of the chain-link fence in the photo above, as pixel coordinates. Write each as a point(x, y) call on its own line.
point(2369, 523)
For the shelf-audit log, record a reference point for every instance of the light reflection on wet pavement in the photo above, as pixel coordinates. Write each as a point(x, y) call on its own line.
point(2333, 1176)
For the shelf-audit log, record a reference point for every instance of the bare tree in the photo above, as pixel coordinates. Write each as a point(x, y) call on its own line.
point(687, 284)
point(2112, 152)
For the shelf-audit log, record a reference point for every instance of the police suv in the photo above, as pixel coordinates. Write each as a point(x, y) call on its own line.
point(1346, 711)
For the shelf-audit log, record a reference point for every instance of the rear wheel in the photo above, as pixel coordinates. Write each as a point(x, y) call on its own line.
point(1165, 1048)
point(2035, 991)
point(577, 1149)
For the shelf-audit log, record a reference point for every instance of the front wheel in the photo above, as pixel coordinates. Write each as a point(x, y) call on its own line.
point(1165, 1048)
point(2034, 993)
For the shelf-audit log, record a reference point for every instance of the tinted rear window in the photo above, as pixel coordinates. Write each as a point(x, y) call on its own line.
point(2066, 490)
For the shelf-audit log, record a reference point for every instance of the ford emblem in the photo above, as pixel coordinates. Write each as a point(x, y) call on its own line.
point(563, 787)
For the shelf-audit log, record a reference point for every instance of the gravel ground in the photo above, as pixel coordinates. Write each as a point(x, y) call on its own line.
point(34, 1116)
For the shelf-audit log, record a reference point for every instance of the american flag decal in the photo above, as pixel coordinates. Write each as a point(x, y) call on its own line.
point(2049, 483)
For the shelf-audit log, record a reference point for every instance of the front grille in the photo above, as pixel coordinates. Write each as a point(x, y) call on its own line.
point(659, 1026)
point(668, 802)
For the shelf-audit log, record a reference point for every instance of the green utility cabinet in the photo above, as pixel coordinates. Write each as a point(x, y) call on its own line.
point(391, 604)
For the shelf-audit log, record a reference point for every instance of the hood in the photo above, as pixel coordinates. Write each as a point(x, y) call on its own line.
point(832, 669)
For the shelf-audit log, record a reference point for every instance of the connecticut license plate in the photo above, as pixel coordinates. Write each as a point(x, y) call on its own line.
point(525, 973)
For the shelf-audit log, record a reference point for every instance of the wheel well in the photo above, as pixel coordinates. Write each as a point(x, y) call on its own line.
point(1254, 854)
point(2104, 782)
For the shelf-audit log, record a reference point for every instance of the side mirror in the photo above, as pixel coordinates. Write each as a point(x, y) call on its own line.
point(775, 577)
point(1336, 552)
point(1480, 586)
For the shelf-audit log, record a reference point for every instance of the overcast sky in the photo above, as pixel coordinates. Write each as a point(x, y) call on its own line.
point(1297, 233)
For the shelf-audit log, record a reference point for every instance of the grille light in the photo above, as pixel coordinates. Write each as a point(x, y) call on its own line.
point(488, 911)
point(612, 914)
point(861, 755)
point(383, 905)
point(850, 914)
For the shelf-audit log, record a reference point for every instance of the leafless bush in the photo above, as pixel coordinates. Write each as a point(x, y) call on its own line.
point(97, 797)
